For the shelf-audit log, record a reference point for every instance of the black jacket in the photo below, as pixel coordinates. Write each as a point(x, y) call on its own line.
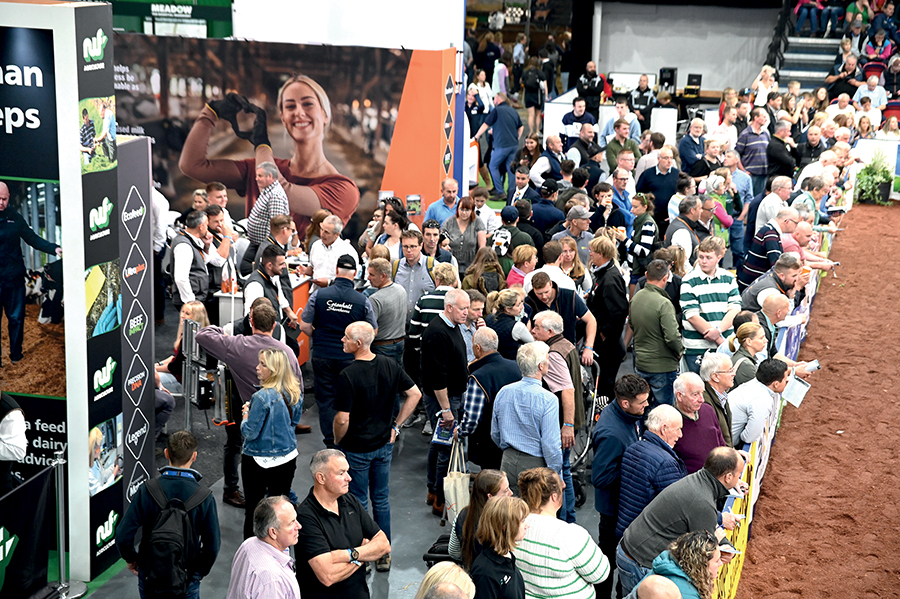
point(782, 158)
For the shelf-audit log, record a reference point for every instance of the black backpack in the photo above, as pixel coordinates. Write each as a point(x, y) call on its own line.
point(170, 547)
point(531, 79)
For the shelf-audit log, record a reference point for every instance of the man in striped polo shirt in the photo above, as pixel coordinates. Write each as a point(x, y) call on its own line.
point(766, 247)
point(710, 301)
point(752, 145)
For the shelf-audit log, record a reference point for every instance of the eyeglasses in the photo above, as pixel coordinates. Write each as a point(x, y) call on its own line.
point(621, 178)
point(725, 371)
point(410, 247)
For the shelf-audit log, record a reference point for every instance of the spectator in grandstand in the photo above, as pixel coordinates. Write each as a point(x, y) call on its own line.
point(891, 76)
point(749, 341)
point(763, 85)
point(657, 338)
point(784, 278)
point(876, 94)
point(650, 465)
point(464, 545)
point(690, 504)
point(890, 130)
point(574, 122)
point(692, 562)
point(501, 528)
point(555, 554)
point(766, 246)
point(443, 382)
point(446, 580)
point(525, 422)
point(701, 431)
point(752, 144)
point(262, 567)
point(781, 153)
point(717, 373)
point(811, 149)
point(617, 429)
point(844, 79)
point(710, 300)
point(754, 401)
point(879, 48)
point(332, 549)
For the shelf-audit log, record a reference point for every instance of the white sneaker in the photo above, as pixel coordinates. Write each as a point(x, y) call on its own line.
point(427, 429)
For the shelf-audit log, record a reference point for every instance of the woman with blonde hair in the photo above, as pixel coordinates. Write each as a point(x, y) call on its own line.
point(890, 129)
point(571, 265)
point(464, 545)
point(504, 311)
point(446, 572)
point(524, 260)
point(729, 98)
point(309, 179)
point(270, 446)
point(98, 475)
point(749, 340)
point(501, 528)
point(692, 562)
point(864, 129)
point(558, 559)
point(171, 368)
point(485, 273)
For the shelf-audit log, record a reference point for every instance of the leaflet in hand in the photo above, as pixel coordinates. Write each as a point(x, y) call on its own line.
point(795, 391)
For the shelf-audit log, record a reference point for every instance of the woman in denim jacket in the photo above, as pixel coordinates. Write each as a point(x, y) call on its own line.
point(270, 447)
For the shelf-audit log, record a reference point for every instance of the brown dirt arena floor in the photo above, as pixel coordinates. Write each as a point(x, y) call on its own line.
point(43, 369)
point(827, 518)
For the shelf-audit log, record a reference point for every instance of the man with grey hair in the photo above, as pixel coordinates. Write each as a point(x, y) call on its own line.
point(443, 368)
point(650, 465)
point(262, 567)
point(700, 431)
point(191, 259)
point(488, 373)
point(389, 305)
point(784, 278)
point(681, 230)
point(781, 153)
point(337, 536)
point(271, 202)
point(657, 587)
point(366, 399)
point(717, 373)
point(525, 422)
point(325, 251)
point(775, 201)
point(691, 145)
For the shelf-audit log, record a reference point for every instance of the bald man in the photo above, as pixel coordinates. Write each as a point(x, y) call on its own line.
point(13, 231)
point(657, 587)
point(798, 242)
point(446, 206)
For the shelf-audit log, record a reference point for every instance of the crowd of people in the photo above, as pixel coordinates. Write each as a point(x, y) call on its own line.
point(476, 325)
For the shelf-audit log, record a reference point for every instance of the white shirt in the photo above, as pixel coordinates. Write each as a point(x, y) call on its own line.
point(159, 206)
point(13, 444)
point(813, 169)
point(183, 257)
point(562, 280)
point(323, 259)
point(833, 110)
point(768, 209)
point(541, 166)
point(726, 134)
point(874, 117)
point(490, 218)
point(682, 238)
point(254, 290)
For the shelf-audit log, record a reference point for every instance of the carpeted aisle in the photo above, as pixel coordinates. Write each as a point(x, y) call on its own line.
point(826, 518)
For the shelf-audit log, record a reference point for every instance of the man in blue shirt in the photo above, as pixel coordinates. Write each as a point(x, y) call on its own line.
point(446, 206)
point(691, 146)
point(622, 199)
point(507, 129)
point(525, 421)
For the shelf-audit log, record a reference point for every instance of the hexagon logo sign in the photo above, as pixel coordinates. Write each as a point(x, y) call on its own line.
point(133, 213)
point(135, 325)
point(136, 379)
point(137, 434)
point(134, 270)
point(138, 477)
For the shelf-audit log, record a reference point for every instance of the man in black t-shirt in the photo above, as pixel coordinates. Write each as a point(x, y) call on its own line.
point(364, 423)
point(336, 535)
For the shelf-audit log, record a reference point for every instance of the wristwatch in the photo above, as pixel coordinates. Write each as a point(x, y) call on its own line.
point(354, 557)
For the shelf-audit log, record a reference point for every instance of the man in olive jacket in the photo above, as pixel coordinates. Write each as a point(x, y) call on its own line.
point(657, 338)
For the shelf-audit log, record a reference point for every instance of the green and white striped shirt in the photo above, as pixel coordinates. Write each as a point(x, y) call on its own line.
point(558, 559)
point(710, 297)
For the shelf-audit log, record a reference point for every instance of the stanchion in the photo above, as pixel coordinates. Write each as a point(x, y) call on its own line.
point(65, 589)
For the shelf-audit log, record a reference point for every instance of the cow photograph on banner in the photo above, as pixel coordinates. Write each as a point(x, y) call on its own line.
point(208, 103)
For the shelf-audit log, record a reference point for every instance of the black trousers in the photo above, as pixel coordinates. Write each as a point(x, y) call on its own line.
point(607, 542)
point(262, 482)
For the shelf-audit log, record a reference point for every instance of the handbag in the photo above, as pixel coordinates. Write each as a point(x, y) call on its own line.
point(456, 483)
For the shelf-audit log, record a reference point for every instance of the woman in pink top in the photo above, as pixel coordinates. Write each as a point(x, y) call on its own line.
point(524, 260)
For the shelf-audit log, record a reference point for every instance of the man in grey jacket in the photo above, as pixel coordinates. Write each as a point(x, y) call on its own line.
point(692, 503)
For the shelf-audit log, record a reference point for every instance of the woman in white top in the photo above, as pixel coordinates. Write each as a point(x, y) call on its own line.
point(484, 89)
point(891, 130)
point(556, 559)
point(763, 85)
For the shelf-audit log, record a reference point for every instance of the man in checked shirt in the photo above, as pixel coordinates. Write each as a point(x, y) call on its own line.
point(488, 373)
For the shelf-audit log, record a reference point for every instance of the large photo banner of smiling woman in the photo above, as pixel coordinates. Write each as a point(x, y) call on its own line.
point(343, 122)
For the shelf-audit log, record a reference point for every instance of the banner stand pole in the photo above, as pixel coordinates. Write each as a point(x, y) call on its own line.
point(66, 589)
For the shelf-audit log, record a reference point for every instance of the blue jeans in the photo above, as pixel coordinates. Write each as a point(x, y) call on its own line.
point(759, 184)
point(326, 373)
point(370, 474)
point(193, 587)
point(738, 247)
point(438, 455)
point(630, 572)
point(568, 507)
point(833, 12)
point(12, 302)
point(813, 14)
point(693, 362)
point(500, 157)
point(661, 385)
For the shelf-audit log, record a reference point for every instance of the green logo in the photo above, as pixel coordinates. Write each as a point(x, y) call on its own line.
point(106, 531)
point(99, 217)
point(103, 377)
point(94, 46)
point(7, 546)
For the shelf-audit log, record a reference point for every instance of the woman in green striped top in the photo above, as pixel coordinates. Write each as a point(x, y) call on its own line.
point(556, 559)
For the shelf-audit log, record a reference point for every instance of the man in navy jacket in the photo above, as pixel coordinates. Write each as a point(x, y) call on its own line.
point(618, 428)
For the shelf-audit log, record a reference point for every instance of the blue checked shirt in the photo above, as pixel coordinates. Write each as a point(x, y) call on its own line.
point(526, 418)
point(473, 406)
